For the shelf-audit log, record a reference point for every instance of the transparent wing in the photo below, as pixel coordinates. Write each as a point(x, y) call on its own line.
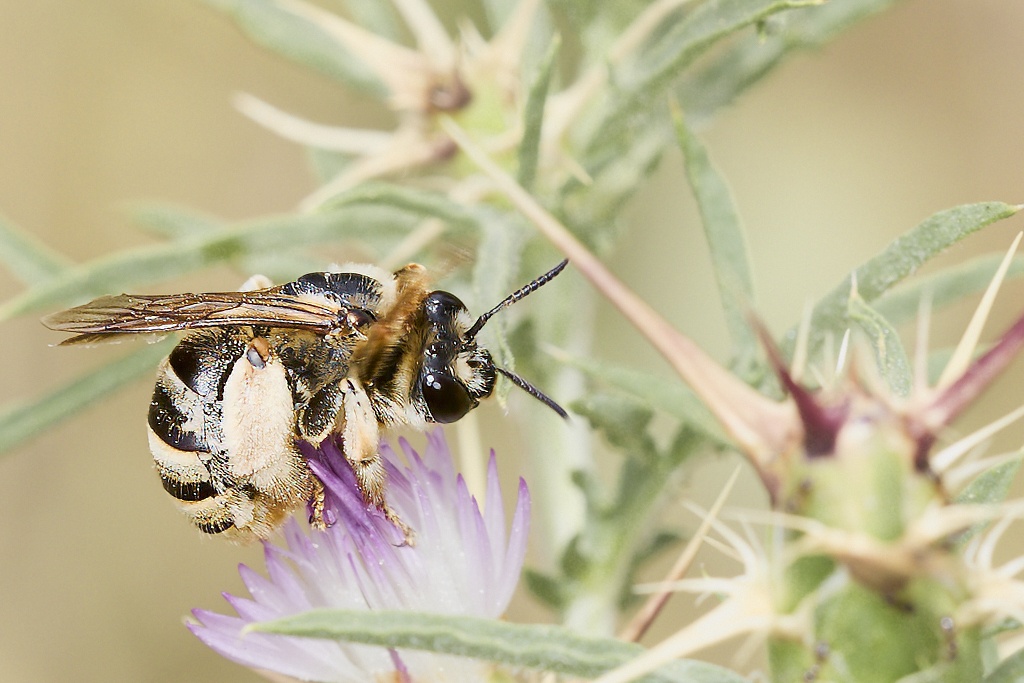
point(134, 314)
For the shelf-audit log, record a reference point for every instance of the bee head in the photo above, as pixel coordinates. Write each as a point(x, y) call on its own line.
point(456, 372)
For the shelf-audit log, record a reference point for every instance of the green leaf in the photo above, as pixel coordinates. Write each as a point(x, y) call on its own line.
point(899, 260)
point(990, 487)
point(171, 221)
point(683, 42)
point(118, 271)
point(175, 222)
point(26, 420)
point(494, 277)
point(533, 116)
point(406, 199)
point(753, 55)
point(378, 17)
point(622, 419)
point(885, 342)
point(326, 164)
point(944, 287)
point(547, 648)
point(1010, 670)
point(617, 171)
point(300, 40)
point(729, 254)
point(658, 391)
point(623, 141)
point(546, 588)
point(27, 258)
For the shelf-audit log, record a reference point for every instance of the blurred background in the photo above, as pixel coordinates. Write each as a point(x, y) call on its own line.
point(114, 101)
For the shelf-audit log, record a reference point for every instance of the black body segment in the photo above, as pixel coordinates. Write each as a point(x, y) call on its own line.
point(203, 359)
point(187, 490)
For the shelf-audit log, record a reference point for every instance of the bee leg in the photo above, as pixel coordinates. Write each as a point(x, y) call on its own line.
point(409, 536)
point(320, 415)
point(361, 436)
point(318, 501)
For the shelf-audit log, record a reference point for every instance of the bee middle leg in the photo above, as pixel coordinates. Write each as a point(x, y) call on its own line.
point(361, 437)
point(317, 503)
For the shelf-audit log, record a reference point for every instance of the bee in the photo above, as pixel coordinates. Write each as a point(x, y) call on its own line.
point(262, 369)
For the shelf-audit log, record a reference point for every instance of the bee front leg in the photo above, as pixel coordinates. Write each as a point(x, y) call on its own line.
point(361, 435)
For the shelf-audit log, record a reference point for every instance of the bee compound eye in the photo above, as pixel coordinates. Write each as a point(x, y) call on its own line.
point(441, 306)
point(446, 398)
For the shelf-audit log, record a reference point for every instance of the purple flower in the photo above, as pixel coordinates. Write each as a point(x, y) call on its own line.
point(462, 563)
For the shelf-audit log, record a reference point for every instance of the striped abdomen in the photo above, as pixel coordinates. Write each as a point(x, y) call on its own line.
point(221, 429)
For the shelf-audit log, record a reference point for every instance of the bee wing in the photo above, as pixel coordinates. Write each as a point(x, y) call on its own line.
point(111, 316)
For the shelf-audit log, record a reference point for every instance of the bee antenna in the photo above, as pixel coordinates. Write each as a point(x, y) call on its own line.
point(514, 297)
point(534, 391)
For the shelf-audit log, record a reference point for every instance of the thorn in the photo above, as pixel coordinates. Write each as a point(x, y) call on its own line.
point(961, 357)
point(821, 423)
point(956, 397)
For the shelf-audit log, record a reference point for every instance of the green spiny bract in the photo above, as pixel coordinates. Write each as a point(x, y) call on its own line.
point(875, 552)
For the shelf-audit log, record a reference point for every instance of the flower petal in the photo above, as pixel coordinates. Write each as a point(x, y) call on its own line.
point(459, 565)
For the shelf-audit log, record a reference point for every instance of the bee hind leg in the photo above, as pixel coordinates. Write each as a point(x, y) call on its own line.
point(361, 437)
point(370, 476)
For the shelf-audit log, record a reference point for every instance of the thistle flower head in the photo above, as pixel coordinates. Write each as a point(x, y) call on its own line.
point(871, 577)
point(478, 80)
point(482, 82)
point(463, 563)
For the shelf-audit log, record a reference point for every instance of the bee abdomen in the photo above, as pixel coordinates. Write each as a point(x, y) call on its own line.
point(189, 491)
point(186, 477)
point(214, 526)
point(171, 416)
point(179, 422)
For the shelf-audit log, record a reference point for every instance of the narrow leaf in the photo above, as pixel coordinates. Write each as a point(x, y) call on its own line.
point(26, 420)
point(988, 488)
point(548, 648)
point(175, 222)
point(944, 287)
point(495, 276)
point(406, 199)
point(27, 258)
point(899, 260)
point(992, 486)
point(729, 254)
point(130, 268)
point(683, 42)
point(745, 61)
point(623, 420)
point(533, 116)
point(1010, 670)
point(890, 355)
point(658, 391)
point(171, 221)
point(378, 17)
point(299, 40)
point(550, 590)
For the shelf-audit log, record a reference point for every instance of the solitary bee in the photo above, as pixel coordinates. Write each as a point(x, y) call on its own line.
point(346, 353)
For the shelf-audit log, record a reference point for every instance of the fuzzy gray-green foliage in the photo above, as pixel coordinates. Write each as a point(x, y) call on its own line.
point(703, 57)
